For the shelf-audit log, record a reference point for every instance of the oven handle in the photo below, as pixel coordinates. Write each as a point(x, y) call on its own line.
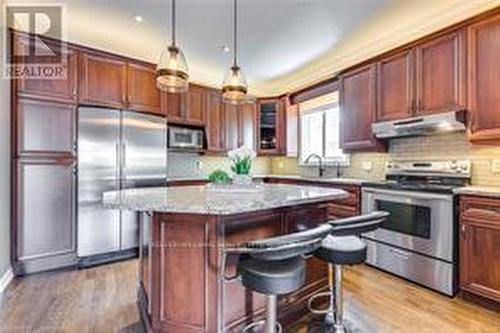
point(417, 195)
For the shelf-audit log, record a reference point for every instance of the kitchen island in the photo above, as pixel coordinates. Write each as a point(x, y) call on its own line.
point(181, 232)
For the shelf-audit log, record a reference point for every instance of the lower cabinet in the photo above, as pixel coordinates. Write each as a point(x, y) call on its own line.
point(45, 228)
point(480, 246)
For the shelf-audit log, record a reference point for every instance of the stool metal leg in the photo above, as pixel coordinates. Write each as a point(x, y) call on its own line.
point(338, 315)
point(329, 317)
point(272, 312)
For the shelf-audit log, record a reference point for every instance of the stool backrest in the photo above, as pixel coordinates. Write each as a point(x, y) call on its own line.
point(289, 245)
point(358, 224)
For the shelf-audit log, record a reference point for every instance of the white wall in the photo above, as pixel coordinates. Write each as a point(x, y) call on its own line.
point(4, 158)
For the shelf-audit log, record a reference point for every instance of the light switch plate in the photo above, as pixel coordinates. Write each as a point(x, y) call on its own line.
point(495, 166)
point(367, 166)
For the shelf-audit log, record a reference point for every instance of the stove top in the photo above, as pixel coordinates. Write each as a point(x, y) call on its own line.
point(425, 176)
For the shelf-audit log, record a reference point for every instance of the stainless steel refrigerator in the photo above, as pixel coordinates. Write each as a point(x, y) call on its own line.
point(116, 150)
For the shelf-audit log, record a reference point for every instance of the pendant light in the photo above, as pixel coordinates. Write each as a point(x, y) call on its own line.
point(172, 70)
point(234, 87)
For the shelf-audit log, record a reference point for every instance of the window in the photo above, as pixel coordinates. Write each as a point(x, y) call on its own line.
point(319, 130)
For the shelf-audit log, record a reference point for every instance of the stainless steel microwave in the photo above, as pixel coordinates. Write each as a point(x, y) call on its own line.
point(183, 137)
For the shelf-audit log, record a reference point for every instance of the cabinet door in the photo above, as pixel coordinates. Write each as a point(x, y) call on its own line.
point(440, 73)
point(483, 79)
point(357, 106)
point(215, 122)
point(45, 215)
point(246, 125)
point(271, 127)
point(174, 106)
point(196, 105)
point(395, 86)
point(103, 80)
point(143, 95)
point(231, 124)
point(480, 246)
point(45, 128)
point(64, 89)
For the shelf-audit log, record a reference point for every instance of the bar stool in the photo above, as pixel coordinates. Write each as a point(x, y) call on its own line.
point(342, 247)
point(273, 266)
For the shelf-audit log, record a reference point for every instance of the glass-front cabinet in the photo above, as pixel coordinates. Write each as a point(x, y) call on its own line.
point(271, 126)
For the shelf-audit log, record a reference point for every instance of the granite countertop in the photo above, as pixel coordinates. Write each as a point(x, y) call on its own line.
point(345, 181)
point(199, 200)
point(487, 191)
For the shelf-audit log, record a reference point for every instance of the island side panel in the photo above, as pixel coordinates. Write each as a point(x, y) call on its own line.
point(182, 271)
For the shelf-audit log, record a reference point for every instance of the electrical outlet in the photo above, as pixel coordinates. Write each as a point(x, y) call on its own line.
point(495, 166)
point(367, 166)
point(281, 165)
point(199, 165)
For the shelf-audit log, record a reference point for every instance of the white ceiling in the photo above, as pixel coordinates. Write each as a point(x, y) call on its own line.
point(278, 39)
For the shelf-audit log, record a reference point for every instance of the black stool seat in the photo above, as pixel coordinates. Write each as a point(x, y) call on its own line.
point(276, 277)
point(342, 250)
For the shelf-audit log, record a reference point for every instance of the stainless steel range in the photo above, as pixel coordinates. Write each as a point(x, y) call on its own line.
point(419, 239)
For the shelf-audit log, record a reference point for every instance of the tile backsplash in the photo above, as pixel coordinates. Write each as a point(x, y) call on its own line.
point(372, 165)
point(194, 165)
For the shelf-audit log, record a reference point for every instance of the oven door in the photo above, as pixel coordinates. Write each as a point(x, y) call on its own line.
point(419, 221)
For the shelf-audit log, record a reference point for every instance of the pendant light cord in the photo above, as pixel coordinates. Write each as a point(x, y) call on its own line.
point(235, 33)
point(173, 22)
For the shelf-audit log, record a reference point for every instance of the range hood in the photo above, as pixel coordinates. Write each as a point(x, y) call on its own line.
point(421, 126)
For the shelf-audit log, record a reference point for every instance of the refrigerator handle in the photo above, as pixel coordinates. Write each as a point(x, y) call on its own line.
point(124, 160)
point(118, 159)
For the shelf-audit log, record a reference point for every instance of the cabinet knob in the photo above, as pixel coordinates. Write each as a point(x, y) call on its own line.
point(463, 229)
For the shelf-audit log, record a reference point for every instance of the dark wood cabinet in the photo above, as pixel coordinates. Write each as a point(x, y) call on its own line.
point(231, 115)
point(196, 104)
point(187, 108)
point(62, 90)
point(395, 86)
point(480, 246)
point(103, 80)
point(440, 74)
point(357, 106)
point(142, 93)
point(246, 125)
point(484, 79)
point(271, 126)
point(44, 128)
point(173, 106)
point(214, 129)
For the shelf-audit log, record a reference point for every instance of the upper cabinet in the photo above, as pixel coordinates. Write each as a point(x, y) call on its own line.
point(484, 79)
point(196, 104)
point(186, 108)
point(142, 92)
point(427, 78)
point(271, 124)
point(62, 90)
point(103, 80)
point(246, 125)
point(214, 115)
point(440, 74)
point(231, 114)
point(358, 105)
point(395, 86)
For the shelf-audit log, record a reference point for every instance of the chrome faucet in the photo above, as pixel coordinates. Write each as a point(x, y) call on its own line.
point(321, 167)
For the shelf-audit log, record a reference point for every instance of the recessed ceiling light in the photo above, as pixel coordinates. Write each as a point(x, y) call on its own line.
point(138, 18)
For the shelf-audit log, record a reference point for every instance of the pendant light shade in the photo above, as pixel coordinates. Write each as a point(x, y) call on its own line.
point(172, 70)
point(234, 87)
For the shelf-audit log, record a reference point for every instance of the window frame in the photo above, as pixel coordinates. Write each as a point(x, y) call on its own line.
point(341, 161)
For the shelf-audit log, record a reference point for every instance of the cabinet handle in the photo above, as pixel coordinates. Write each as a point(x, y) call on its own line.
point(463, 229)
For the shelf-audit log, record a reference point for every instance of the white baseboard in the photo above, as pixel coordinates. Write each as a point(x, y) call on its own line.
point(5, 279)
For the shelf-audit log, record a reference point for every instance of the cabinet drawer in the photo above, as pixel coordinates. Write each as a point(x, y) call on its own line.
point(478, 208)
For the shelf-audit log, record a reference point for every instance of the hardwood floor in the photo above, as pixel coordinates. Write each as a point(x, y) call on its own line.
point(102, 299)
